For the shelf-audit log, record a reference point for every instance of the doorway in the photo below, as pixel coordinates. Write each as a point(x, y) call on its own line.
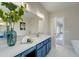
point(59, 21)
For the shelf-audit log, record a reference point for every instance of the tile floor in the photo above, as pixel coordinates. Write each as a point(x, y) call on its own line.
point(60, 51)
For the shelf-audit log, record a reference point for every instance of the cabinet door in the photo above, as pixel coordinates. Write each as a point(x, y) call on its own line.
point(39, 45)
point(39, 53)
point(44, 50)
point(48, 46)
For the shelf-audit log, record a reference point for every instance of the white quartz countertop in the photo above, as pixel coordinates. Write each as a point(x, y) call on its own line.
point(18, 48)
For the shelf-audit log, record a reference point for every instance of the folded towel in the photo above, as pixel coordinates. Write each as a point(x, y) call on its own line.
point(24, 40)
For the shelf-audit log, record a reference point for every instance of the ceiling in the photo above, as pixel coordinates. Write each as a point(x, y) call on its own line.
point(55, 6)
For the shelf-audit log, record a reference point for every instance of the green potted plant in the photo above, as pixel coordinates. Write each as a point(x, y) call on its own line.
point(10, 18)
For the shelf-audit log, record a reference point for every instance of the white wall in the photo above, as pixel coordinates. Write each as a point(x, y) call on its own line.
point(71, 23)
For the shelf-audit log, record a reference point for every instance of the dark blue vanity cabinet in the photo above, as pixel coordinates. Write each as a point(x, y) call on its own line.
point(48, 46)
point(43, 48)
point(40, 50)
point(30, 52)
point(39, 53)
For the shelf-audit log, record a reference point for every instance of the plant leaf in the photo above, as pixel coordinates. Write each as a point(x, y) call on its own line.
point(9, 5)
point(21, 11)
point(1, 13)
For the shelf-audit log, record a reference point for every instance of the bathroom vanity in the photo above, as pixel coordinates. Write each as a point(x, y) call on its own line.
point(38, 48)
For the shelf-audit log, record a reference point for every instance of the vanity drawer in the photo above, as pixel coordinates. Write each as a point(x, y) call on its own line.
point(39, 45)
point(49, 39)
point(45, 42)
